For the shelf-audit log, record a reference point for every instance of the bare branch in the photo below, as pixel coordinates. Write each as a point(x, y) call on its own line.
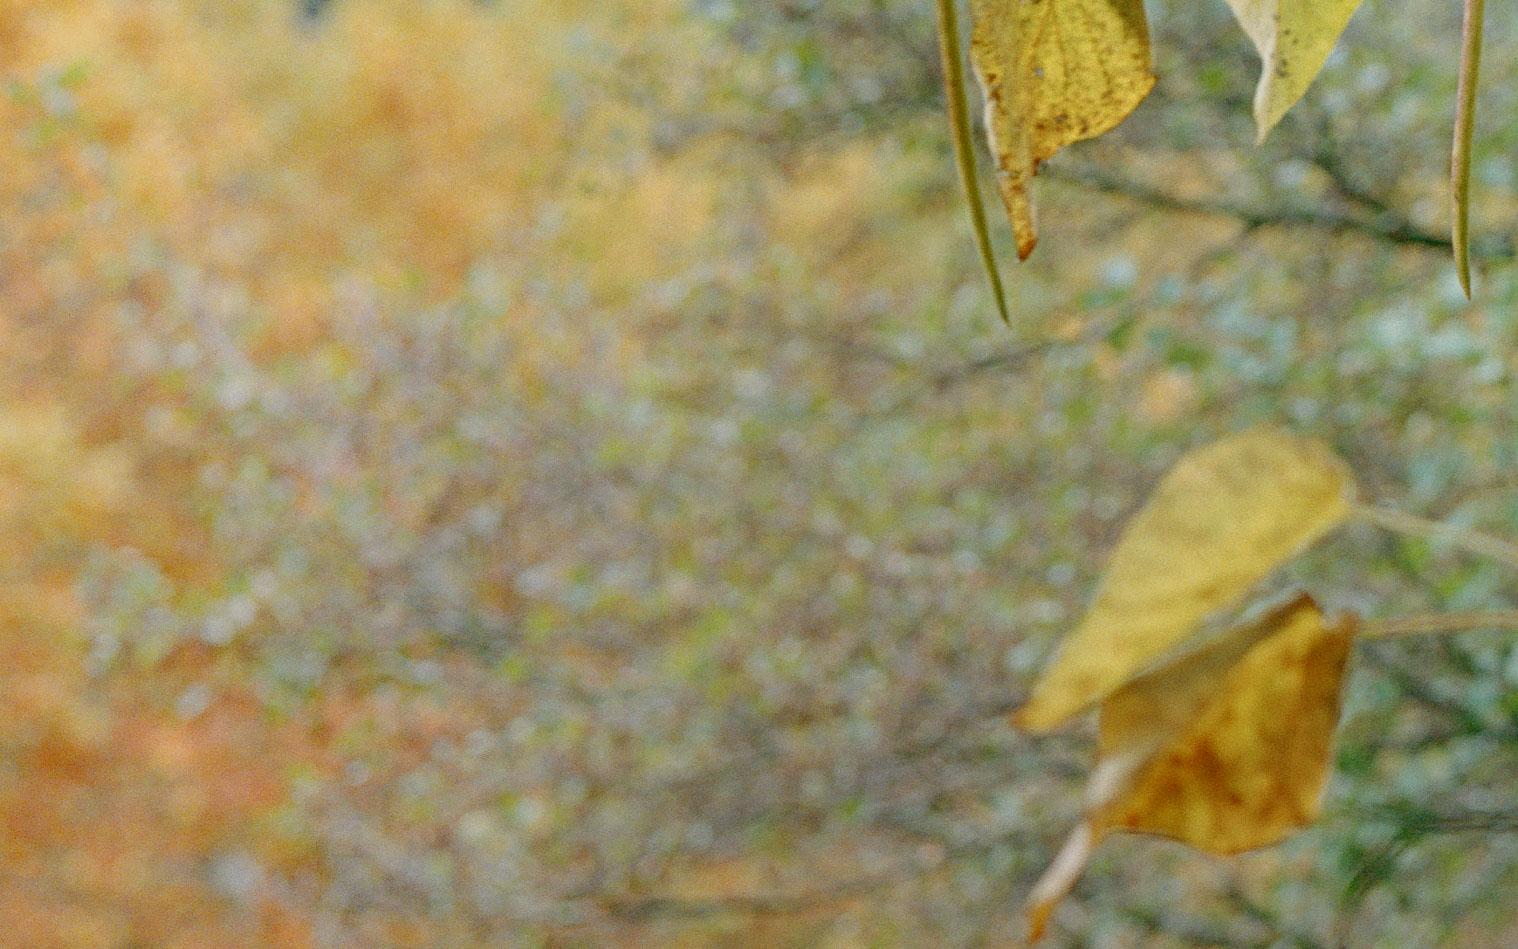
point(1382, 227)
point(1471, 541)
point(763, 904)
point(1425, 623)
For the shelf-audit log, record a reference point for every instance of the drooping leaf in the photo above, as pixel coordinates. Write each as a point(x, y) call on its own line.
point(1251, 767)
point(1220, 521)
point(1226, 748)
point(1294, 38)
point(1465, 124)
point(1053, 72)
point(964, 147)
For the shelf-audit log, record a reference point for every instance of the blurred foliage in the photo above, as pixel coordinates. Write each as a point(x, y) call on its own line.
point(544, 474)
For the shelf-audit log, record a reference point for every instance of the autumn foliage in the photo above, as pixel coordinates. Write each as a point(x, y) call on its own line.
point(539, 474)
point(1054, 72)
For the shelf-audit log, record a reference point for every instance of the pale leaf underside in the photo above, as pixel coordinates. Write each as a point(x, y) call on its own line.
point(1294, 38)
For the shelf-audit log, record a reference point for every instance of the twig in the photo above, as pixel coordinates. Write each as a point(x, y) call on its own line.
point(1195, 931)
point(1373, 868)
point(1464, 538)
point(1394, 231)
point(1463, 717)
point(1456, 822)
point(767, 904)
point(1425, 623)
point(1331, 164)
point(1267, 918)
point(1012, 359)
point(1019, 356)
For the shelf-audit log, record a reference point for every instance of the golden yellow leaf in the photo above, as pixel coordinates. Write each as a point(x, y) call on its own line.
point(1250, 767)
point(1220, 521)
point(1226, 748)
point(1153, 708)
point(1294, 38)
point(1053, 72)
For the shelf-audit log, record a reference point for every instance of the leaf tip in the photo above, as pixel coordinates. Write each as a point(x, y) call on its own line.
point(1460, 233)
point(1038, 924)
point(1041, 715)
point(1264, 119)
point(1460, 164)
point(1262, 127)
point(1267, 115)
point(1060, 878)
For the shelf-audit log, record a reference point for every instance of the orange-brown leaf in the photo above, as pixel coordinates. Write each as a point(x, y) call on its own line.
point(1251, 766)
point(1225, 748)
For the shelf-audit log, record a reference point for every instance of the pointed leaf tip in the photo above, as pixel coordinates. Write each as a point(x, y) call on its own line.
point(1293, 38)
point(964, 148)
point(1052, 73)
point(1225, 748)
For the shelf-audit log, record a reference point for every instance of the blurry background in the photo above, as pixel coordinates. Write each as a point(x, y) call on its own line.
point(547, 473)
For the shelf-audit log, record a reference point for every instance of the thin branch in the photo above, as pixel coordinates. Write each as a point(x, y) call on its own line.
point(1373, 868)
point(1463, 717)
point(1471, 541)
point(1012, 359)
point(1457, 822)
point(1410, 827)
point(1267, 918)
point(1016, 357)
point(1428, 623)
point(765, 904)
point(1332, 164)
point(1194, 931)
point(1381, 227)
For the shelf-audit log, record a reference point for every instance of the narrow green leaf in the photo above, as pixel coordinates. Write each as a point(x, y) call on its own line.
point(964, 147)
point(1465, 123)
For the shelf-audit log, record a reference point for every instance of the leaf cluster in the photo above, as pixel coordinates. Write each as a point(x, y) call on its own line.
point(1221, 742)
point(1055, 72)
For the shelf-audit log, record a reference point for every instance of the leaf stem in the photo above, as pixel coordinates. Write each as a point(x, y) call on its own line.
point(1419, 624)
point(964, 146)
point(1465, 123)
point(1471, 541)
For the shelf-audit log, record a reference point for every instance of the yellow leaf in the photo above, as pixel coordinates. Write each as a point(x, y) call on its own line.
point(1053, 72)
point(1219, 522)
point(1152, 709)
point(1226, 748)
point(1250, 766)
point(1294, 38)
